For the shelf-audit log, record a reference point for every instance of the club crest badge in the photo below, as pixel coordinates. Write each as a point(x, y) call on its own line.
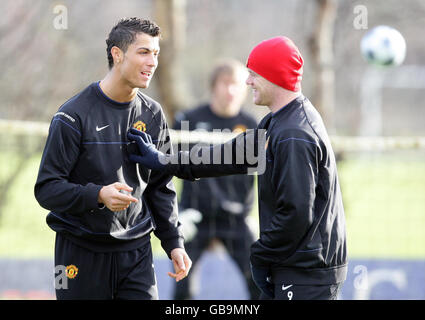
point(71, 271)
point(139, 125)
point(239, 128)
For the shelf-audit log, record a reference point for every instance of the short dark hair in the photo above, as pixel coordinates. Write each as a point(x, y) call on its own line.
point(124, 33)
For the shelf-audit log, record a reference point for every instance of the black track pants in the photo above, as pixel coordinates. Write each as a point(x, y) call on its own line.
point(103, 275)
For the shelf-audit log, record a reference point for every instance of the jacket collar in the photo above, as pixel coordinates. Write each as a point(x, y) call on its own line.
point(297, 101)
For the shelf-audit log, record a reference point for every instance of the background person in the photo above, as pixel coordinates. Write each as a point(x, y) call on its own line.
point(223, 203)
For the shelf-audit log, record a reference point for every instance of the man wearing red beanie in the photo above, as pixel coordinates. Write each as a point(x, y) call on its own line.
point(279, 61)
point(301, 253)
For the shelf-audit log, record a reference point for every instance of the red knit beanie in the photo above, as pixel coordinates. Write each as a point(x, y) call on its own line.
point(279, 61)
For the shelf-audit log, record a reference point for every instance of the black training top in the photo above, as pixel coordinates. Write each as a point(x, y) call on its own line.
point(302, 224)
point(87, 148)
point(219, 198)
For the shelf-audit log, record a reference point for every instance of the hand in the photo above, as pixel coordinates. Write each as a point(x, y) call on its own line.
point(149, 156)
point(261, 280)
point(181, 263)
point(113, 199)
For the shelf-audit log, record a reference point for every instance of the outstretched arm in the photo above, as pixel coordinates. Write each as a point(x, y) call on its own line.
point(241, 155)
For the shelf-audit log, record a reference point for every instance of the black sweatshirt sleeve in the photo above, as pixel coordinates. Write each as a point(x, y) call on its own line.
point(241, 155)
point(294, 178)
point(162, 201)
point(53, 190)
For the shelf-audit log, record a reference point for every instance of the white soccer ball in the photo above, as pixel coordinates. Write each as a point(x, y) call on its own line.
point(383, 46)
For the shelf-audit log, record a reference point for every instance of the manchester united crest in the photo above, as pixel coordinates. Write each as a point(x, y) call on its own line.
point(71, 271)
point(239, 128)
point(139, 125)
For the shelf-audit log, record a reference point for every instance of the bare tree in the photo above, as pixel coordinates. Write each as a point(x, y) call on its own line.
point(171, 17)
point(321, 46)
point(18, 46)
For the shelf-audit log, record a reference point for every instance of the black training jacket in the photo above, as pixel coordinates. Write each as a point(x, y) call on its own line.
point(302, 224)
point(87, 148)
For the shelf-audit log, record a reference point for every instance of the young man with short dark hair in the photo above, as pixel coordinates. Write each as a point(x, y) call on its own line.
point(102, 206)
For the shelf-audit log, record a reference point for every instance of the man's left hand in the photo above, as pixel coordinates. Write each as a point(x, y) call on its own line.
point(181, 263)
point(261, 279)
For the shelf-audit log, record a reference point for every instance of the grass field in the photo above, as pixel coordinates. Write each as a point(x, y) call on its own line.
point(384, 200)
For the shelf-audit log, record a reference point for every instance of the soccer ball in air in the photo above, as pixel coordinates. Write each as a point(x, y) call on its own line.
point(383, 46)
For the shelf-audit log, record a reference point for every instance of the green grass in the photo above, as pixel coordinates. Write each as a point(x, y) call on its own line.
point(384, 201)
point(385, 207)
point(23, 230)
